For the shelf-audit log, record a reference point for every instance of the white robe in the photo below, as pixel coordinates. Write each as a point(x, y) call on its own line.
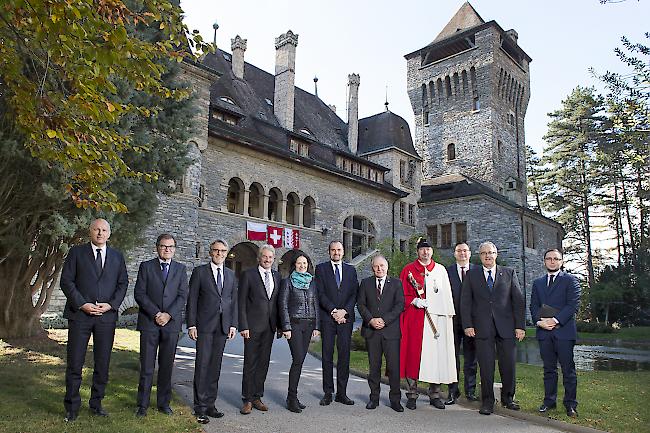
point(438, 359)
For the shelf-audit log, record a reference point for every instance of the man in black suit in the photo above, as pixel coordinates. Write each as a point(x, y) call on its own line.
point(258, 321)
point(457, 273)
point(492, 310)
point(160, 291)
point(554, 302)
point(380, 303)
point(94, 280)
point(211, 319)
point(337, 293)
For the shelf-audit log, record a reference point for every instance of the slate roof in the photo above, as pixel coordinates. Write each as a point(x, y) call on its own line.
point(385, 130)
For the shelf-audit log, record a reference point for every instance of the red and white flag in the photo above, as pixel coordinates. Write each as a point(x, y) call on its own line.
point(255, 231)
point(292, 238)
point(274, 236)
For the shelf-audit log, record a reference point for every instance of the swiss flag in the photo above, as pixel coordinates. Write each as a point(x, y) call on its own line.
point(255, 231)
point(292, 238)
point(274, 236)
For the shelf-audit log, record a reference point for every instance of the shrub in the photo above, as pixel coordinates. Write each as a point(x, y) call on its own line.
point(595, 327)
point(358, 342)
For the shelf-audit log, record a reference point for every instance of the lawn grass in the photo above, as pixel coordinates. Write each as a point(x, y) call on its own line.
point(33, 386)
point(633, 334)
point(608, 400)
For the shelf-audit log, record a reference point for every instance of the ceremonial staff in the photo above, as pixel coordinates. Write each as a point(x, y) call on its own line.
point(420, 291)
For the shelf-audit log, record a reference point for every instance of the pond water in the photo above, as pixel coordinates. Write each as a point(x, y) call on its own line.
point(594, 356)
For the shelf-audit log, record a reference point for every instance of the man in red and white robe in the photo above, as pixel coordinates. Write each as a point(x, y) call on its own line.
point(423, 356)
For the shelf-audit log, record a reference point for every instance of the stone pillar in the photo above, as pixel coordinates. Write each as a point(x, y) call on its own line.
point(282, 209)
point(285, 63)
point(238, 47)
point(247, 193)
point(299, 208)
point(265, 207)
point(353, 111)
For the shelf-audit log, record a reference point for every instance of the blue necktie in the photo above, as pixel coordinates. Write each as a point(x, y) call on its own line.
point(219, 280)
point(337, 275)
point(165, 270)
point(490, 280)
point(98, 261)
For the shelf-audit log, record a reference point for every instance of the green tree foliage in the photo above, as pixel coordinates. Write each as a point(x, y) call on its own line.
point(534, 178)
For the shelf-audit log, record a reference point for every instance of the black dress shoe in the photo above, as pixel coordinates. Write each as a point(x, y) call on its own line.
point(202, 419)
point(166, 410)
point(571, 412)
point(214, 413)
point(437, 403)
point(326, 400)
point(511, 405)
point(98, 411)
point(410, 404)
point(344, 399)
point(372, 404)
point(71, 416)
point(450, 400)
point(544, 408)
point(300, 405)
point(292, 405)
point(471, 397)
point(486, 410)
point(397, 407)
point(141, 412)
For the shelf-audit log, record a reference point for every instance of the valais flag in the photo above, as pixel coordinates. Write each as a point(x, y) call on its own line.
point(292, 238)
point(255, 231)
point(274, 237)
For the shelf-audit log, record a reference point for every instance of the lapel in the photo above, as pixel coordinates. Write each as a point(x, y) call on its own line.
point(157, 271)
point(211, 281)
point(480, 276)
point(108, 262)
point(385, 290)
point(89, 255)
point(262, 286)
point(330, 273)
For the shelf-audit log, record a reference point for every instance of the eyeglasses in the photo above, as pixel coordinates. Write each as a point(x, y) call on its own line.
point(488, 253)
point(167, 247)
point(219, 251)
point(553, 259)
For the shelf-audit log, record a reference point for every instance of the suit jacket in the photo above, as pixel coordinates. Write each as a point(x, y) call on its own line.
point(154, 295)
point(330, 296)
point(81, 283)
point(564, 294)
point(204, 301)
point(499, 311)
point(389, 307)
point(256, 311)
point(456, 286)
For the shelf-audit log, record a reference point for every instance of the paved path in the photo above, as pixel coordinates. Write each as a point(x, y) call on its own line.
point(333, 418)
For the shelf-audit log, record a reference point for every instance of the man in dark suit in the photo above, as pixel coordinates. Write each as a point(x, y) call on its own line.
point(258, 322)
point(492, 310)
point(211, 319)
point(94, 280)
point(160, 291)
point(554, 302)
point(380, 303)
point(337, 293)
point(457, 273)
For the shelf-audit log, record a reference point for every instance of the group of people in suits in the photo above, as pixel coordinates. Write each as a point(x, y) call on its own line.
point(417, 322)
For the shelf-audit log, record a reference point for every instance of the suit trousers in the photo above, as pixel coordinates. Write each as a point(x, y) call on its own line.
point(207, 368)
point(506, 355)
point(552, 351)
point(163, 344)
point(378, 345)
point(330, 331)
point(301, 331)
point(79, 332)
point(469, 361)
point(412, 389)
point(257, 355)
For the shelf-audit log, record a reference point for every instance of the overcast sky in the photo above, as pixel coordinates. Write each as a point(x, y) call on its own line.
point(564, 38)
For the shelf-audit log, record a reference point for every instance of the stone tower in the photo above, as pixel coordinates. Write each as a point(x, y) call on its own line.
point(469, 90)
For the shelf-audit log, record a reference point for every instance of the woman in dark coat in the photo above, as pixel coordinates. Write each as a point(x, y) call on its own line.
point(299, 320)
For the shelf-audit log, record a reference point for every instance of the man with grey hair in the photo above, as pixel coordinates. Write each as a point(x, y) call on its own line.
point(258, 321)
point(211, 319)
point(493, 311)
point(94, 281)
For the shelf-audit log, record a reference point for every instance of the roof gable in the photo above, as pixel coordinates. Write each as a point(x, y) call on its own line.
point(465, 18)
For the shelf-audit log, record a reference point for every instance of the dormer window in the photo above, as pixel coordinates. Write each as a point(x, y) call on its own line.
point(305, 131)
point(268, 102)
point(511, 184)
point(227, 100)
point(300, 147)
point(224, 117)
point(227, 57)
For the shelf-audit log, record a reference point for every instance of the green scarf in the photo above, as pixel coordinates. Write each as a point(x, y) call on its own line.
point(301, 280)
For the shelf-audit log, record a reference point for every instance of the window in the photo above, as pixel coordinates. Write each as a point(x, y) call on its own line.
point(476, 104)
point(292, 208)
point(275, 200)
point(412, 214)
point(305, 131)
point(227, 100)
point(236, 196)
point(201, 195)
point(448, 86)
point(451, 152)
point(461, 232)
point(425, 117)
point(445, 236)
point(499, 148)
point(402, 170)
point(402, 245)
point(256, 201)
point(224, 117)
point(432, 234)
point(402, 212)
point(511, 184)
point(309, 212)
point(358, 236)
point(529, 235)
point(298, 146)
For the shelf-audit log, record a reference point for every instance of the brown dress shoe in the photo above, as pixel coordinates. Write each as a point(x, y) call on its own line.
point(246, 408)
point(257, 404)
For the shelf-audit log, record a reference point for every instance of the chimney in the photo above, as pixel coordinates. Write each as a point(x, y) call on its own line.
point(353, 112)
point(285, 63)
point(332, 107)
point(238, 46)
point(513, 35)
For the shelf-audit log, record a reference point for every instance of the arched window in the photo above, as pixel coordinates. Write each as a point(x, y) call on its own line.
point(309, 212)
point(292, 208)
point(456, 85)
point(236, 196)
point(439, 88)
point(275, 201)
point(256, 201)
point(448, 86)
point(432, 91)
point(425, 101)
point(451, 152)
point(464, 79)
point(358, 236)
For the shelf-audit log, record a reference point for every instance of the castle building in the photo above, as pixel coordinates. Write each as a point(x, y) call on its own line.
point(274, 163)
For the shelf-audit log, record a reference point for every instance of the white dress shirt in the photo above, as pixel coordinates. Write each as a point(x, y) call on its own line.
point(95, 248)
point(262, 271)
point(214, 272)
point(494, 273)
point(459, 269)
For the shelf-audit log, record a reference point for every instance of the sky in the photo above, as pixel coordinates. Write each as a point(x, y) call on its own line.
point(336, 38)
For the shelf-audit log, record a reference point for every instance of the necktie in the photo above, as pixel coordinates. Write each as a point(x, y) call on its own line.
point(490, 280)
point(462, 274)
point(267, 283)
point(337, 275)
point(551, 278)
point(165, 270)
point(378, 288)
point(220, 281)
point(98, 261)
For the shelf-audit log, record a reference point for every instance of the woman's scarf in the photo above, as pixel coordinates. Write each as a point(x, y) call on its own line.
point(301, 280)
